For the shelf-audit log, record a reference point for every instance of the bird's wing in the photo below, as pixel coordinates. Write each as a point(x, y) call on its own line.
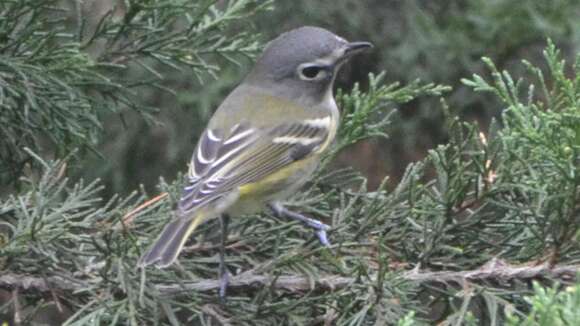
point(247, 155)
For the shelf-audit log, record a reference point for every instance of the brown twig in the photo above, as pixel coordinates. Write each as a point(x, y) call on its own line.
point(128, 218)
point(293, 283)
point(40, 284)
point(495, 270)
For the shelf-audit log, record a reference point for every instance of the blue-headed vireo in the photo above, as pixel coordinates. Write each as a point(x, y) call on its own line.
point(265, 140)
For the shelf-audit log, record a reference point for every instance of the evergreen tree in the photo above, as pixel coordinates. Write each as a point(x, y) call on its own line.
point(459, 240)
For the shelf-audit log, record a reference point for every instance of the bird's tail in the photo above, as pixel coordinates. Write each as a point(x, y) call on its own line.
point(170, 242)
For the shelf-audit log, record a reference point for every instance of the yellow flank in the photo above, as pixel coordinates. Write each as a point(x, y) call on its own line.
point(278, 180)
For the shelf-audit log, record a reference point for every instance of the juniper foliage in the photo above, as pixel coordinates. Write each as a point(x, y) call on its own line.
point(63, 67)
point(509, 193)
point(71, 234)
point(550, 306)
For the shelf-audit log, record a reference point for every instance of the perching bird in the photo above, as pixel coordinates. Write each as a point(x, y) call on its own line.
point(264, 141)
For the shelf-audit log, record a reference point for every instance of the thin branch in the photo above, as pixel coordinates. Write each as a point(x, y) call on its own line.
point(293, 283)
point(29, 283)
point(495, 270)
point(128, 218)
point(499, 270)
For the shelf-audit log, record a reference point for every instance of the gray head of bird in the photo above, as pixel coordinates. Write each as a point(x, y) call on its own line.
point(303, 63)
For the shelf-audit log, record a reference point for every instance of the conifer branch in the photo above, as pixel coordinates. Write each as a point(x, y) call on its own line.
point(495, 270)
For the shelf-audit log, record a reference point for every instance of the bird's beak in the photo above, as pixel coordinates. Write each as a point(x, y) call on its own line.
point(353, 48)
point(343, 54)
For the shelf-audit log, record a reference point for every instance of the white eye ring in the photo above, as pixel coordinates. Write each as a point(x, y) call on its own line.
point(312, 71)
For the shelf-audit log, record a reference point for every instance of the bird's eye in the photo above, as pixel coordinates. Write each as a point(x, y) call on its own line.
point(312, 72)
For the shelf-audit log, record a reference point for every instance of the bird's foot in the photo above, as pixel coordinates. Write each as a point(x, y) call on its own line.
point(319, 227)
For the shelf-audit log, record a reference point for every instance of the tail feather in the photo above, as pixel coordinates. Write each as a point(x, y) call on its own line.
point(170, 242)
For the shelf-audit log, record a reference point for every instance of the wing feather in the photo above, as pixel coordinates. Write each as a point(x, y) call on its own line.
point(221, 164)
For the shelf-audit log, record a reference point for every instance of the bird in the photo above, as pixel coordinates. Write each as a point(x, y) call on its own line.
point(263, 142)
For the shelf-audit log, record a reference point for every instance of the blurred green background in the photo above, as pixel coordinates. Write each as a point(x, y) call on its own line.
point(435, 41)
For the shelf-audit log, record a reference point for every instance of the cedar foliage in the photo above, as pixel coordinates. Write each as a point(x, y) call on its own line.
point(503, 198)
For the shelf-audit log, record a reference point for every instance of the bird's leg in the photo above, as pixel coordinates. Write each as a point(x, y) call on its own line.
point(223, 270)
point(319, 227)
